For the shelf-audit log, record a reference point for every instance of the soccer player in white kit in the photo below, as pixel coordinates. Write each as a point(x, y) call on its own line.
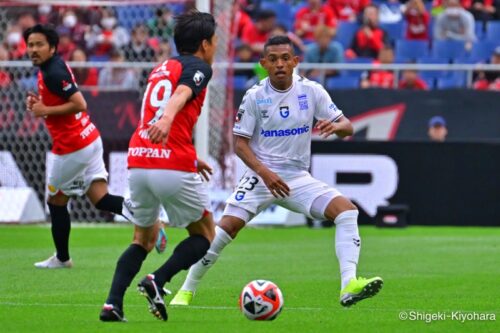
point(273, 136)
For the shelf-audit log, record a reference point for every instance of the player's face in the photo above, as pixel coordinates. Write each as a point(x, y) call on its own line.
point(279, 61)
point(39, 49)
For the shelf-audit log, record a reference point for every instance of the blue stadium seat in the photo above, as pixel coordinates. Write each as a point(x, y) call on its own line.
point(411, 49)
point(395, 31)
point(433, 74)
point(429, 81)
point(467, 60)
point(493, 31)
point(240, 82)
point(483, 49)
point(282, 10)
point(479, 29)
point(99, 58)
point(450, 83)
point(345, 33)
point(448, 49)
point(355, 72)
point(342, 82)
point(129, 16)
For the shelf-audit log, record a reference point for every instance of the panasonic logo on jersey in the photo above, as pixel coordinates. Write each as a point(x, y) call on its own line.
point(285, 132)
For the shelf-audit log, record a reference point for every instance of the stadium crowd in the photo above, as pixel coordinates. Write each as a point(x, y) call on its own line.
point(331, 31)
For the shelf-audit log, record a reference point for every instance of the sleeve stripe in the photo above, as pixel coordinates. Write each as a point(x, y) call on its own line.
point(337, 117)
point(242, 134)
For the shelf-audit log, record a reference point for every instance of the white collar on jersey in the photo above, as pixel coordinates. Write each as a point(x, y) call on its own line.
point(281, 91)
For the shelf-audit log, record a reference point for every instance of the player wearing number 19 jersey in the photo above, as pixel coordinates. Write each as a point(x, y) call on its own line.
point(163, 167)
point(273, 136)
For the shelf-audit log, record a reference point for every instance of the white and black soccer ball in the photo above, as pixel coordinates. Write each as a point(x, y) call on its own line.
point(261, 300)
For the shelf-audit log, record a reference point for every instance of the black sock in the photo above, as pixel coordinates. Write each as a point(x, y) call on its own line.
point(61, 226)
point(111, 203)
point(188, 252)
point(127, 268)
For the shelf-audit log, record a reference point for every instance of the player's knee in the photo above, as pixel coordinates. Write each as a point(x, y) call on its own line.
point(231, 225)
point(58, 200)
point(146, 244)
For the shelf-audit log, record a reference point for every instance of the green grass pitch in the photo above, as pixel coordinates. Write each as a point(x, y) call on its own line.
point(429, 270)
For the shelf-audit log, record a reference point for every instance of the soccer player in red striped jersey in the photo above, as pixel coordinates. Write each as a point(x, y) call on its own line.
point(77, 153)
point(164, 169)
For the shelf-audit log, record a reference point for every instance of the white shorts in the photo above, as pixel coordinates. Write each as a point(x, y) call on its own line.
point(73, 173)
point(183, 195)
point(252, 195)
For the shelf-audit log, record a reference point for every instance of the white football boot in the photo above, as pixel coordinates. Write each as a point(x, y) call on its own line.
point(53, 262)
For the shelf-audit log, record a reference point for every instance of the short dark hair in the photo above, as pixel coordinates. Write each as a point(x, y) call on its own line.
point(191, 29)
point(278, 40)
point(47, 30)
point(265, 14)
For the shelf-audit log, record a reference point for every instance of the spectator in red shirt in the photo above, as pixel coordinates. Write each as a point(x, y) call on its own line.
point(240, 19)
point(76, 28)
point(257, 34)
point(5, 79)
point(308, 18)
point(489, 80)
point(66, 45)
point(348, 10)
point(417, 19)
point(380, 78)
point(14, 43)
point(411, 81)
point(84, 77)
point(107, 36)
point(370, 38)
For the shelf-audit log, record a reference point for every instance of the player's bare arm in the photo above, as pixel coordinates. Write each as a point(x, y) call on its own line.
point(75, 104)
point(273, 182)
point(342, 127)
point(158, 132)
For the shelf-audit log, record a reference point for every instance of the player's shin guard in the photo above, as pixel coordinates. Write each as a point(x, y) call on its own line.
point(198, 270)
point(61, 227)
point(347, 244)
point(188, 252)
point(127, 268)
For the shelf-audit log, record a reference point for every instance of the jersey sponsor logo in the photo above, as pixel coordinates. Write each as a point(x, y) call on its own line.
point(87, 131)
point(333, 107)
point(285, 132)
point(198, 77)
point(239, 115)
point(66, 85)
point(149, 152)
point(264, 101)
point(284, 111)
point(303, 104)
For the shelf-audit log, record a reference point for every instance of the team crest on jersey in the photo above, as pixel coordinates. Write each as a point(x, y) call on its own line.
point(303, 105)
point(198, 77)
point(284, 111)
point(66, 85)
point(239, 115)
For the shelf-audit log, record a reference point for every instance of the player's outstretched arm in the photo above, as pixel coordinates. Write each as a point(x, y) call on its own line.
point(273, 182)
point(158, 132)
point(341, 127)
point(75, 104)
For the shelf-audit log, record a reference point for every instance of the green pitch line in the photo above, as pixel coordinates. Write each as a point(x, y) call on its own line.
point(427, 271)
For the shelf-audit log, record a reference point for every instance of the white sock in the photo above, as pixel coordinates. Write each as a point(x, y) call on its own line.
point(198, 270)
point(347, 244)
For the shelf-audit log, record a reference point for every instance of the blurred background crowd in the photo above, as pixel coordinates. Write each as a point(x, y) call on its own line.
point(332, 31)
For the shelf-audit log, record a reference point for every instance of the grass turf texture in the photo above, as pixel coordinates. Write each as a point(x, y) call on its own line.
point(431, 270)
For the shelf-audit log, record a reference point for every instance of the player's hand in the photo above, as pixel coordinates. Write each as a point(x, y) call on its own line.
point(38, 108)
point(204, 169)
point(274, 183)
point(326, 128)
point(158, 132)
point(31, 99)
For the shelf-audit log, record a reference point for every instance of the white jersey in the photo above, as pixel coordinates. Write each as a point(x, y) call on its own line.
point(279, 123)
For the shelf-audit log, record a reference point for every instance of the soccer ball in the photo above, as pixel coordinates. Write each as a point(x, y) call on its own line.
point(261, 300)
